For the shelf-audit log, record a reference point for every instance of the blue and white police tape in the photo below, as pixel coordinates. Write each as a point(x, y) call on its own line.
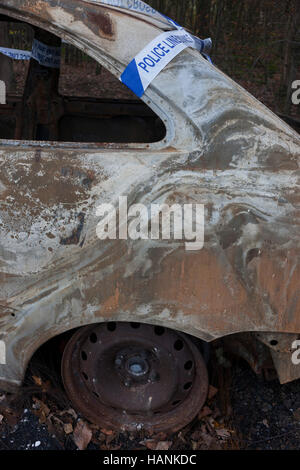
point(48, 56)
point(16, 53)
point(143, 69)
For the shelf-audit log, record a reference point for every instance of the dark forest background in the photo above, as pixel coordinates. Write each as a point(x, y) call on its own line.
point(256, 42)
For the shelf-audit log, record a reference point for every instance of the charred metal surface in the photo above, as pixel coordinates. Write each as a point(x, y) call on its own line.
point(100, 23)
point(223, 149)
point(94, 17)
point(282, 349)
point(74, 239)
point(248, 347)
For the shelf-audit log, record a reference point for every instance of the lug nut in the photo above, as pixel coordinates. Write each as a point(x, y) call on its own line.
point(118, 362)
point(153, 376)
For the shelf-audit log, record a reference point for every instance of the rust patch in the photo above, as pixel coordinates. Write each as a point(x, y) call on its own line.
point(100, 23)
point(276, 274)
point(85, 178)
point(75, 237)
point(93, 16)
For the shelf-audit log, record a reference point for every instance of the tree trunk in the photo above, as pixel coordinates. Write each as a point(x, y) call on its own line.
point(6, 64)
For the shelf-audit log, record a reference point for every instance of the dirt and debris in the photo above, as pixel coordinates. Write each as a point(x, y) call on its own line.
point(41, 416)
point(242, 411)
point(46, 427)
point(265, 413)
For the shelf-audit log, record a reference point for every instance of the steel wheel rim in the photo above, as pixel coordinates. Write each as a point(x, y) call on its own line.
point(132, 376)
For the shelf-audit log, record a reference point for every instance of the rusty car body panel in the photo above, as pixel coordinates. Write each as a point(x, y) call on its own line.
point(223, 149)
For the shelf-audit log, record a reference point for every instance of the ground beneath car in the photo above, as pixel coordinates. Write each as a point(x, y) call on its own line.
point(243, 411)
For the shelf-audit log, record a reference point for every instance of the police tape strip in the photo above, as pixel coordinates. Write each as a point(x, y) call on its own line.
point(143, 69)
point(137, 75)
point(16, 53)
point(48, 56)
point(147, 64)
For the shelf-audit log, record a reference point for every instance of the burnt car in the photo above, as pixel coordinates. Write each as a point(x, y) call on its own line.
point(140, 312)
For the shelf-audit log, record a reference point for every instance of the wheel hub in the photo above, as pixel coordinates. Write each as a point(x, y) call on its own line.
point(136, 367)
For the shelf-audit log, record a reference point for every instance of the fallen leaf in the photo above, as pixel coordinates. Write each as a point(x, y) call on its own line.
point(70, 411)
point(107, 432)
point(149, 443)
point(181, 437)
point(41, 410)
point(206, 411)
point(212, 392)
point(153, 444)
point(94, 427)
point(68, 428)
point(223, 433)
point(204, 438)
point(12, 416)
point(161, 436)
point(82, 435)
point(37, 380)
point(194, 445)
point(1, 418)
point(163, 445)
